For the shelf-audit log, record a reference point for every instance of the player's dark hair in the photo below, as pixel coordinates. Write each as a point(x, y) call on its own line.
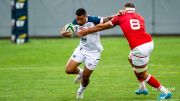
point(80, 11)
point(130, 5)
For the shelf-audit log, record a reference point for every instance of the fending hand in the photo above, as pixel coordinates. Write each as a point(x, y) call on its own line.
point(82, 32)
point(65, 33)
point(121, 12)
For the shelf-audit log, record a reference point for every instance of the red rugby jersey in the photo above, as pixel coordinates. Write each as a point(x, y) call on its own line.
point(133, 27)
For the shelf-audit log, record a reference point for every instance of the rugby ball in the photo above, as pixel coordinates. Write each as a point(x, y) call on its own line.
point(71, 29)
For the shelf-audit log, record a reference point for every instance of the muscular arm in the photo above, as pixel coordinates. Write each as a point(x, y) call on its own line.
point(99, 27)
point(96, 28)
point(106, 19)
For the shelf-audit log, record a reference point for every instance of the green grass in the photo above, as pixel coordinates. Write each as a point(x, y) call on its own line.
point(35, 71)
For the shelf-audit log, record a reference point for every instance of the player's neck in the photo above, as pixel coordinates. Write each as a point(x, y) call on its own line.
point(86, 19)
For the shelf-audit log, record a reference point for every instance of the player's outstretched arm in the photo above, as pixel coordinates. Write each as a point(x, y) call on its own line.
point(96, 28)
point(106, 19)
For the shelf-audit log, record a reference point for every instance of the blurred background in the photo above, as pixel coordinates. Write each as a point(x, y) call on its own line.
point(47, 17)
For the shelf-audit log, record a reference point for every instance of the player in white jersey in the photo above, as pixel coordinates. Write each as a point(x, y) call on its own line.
point(88, 51)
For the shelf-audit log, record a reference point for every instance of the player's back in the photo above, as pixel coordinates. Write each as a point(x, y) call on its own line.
point(133, 27)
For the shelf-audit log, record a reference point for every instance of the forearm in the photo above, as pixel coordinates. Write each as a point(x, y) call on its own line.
point(106, 19)
point(99, 27)
point(96, 28)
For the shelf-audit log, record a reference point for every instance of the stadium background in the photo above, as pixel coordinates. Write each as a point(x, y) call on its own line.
point(35, 71)
point(46, 17)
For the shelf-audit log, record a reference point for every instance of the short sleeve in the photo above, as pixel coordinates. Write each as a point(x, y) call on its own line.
point(115, 21)
point(74, 22)
point(94, 19)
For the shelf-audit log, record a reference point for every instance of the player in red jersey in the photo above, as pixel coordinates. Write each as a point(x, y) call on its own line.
point(141, 44)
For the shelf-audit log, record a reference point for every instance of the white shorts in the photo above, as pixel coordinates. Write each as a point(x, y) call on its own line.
point(90, 59)
point(140, 54)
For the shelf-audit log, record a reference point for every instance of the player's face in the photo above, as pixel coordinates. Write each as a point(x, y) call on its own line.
point(81, 19)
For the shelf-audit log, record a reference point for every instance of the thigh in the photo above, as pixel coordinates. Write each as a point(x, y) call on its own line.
point(72, 64)
point(138, 58)
point(78, 56)
point(75, 60)
point(146, 48)
point(92, 60)
point(140, 55)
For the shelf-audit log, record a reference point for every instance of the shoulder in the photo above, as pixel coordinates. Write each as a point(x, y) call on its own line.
point(139, 15)
point(94, 19)
point(75, 22)
point(118, 17)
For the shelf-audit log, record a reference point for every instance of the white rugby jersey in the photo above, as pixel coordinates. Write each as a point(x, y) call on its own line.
point(90, 42)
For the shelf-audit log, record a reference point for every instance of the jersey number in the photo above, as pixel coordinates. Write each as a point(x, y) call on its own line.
point(134, 24)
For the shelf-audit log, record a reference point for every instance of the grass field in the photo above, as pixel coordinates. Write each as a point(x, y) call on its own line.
point(35, 71)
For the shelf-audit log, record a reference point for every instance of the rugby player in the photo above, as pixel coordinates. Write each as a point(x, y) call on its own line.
point(141, 44)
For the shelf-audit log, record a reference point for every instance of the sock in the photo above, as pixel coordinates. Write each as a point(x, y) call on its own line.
point(142, 85)
point(80, 71)
point(153, 82)
point(163, 89)
point(81, 88)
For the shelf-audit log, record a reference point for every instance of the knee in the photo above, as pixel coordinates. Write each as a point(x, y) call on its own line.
point(139, 75)
point(69, 70)
point(142, 76)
